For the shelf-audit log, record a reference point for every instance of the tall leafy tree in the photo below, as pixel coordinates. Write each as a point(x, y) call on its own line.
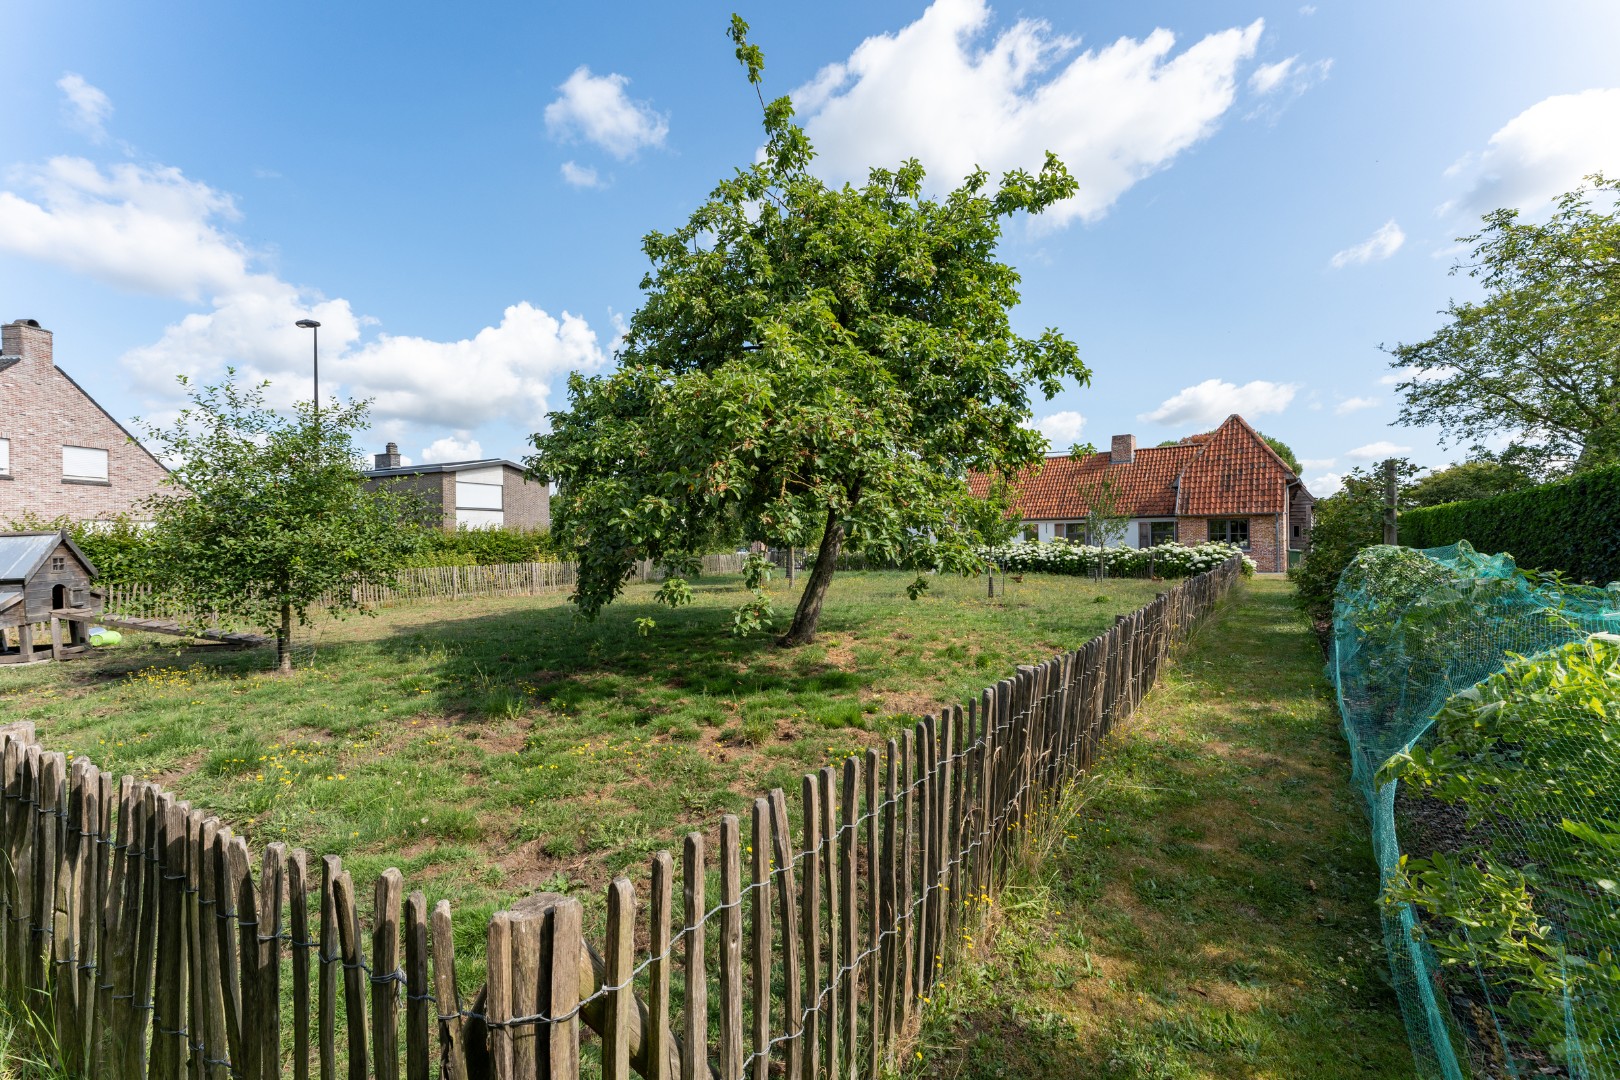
point(1537, 358)
point(268, 518)
point(809, 359)
point(1477, 478)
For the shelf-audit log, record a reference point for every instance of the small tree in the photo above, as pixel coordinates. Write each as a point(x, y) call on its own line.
point(1342, 525)
point(809, 358)
point(1107, 516)
point(269, 517)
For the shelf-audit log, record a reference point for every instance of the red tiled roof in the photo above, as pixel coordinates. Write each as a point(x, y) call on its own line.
point(1230, 470)
point(1147, 485)
point(1236, 473)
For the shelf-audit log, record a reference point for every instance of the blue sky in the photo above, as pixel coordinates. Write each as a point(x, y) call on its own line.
point(1268, 191)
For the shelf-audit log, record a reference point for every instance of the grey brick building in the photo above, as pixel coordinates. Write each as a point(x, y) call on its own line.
point(491, 493)
point(61, 454)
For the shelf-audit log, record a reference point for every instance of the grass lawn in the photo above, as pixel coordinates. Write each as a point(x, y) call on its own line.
point(491, 747)
point(1210, 912)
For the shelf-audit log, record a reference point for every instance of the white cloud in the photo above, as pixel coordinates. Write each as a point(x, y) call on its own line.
point(139, 227)
point(949, 91)
point(596, 108)
point(1354, 404)
point(1544, 151)
point(1324, 484)
point(1267, 77)
point(1313, 464)
point(1062, 429)
point(1214, 400)
point(87, 107)
point(1384, 242)
point(1307, 9)
point(580, 176)
point(150, 229)
point(458, 447)
point(1282, 82)
point(1376, 451)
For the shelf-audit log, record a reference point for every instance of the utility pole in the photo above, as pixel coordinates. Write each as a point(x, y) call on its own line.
point(1391, 533)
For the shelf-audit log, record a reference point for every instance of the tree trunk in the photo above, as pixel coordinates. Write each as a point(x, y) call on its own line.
point(284, 639)
point(803, 630)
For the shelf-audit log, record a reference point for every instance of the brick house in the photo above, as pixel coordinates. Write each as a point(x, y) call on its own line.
point(61, 454)
point(491, 493)
point(1226, 484)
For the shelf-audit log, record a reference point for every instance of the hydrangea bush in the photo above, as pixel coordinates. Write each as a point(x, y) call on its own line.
point(1060, 556)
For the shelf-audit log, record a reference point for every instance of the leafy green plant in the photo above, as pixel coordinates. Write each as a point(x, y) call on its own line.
point(1530, 755)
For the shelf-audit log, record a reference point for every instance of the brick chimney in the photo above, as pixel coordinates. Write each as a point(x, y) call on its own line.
point(389, 458)
point(25, 339)
point(1123, 452)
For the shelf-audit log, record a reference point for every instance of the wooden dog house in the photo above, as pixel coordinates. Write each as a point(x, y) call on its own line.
point(45, 583)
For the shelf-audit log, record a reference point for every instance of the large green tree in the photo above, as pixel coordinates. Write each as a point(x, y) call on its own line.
point(1477, 478)
point(809, 359)
point(1537, 358)
point(267, 517)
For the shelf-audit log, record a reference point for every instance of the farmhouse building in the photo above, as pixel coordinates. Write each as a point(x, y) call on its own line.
point(491, 493)
point(1226, 484)
point(61, 454)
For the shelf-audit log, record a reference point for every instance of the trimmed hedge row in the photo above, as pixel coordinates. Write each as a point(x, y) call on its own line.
point(1572, 526)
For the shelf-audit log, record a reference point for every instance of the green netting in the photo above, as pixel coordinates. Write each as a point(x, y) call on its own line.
point(1483, 717)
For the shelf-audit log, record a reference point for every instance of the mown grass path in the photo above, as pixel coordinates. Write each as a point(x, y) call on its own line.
point(1210, 910)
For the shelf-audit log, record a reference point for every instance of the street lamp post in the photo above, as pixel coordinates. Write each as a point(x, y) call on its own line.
point(315, 347)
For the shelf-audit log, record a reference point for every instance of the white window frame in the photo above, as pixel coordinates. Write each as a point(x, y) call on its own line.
point(5, 457)
point(72, 474)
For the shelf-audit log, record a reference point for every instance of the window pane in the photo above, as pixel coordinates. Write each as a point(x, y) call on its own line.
point(480, 519)
point(477, 496)
point(84, 463)
point(1161, 532)
point(5, 455)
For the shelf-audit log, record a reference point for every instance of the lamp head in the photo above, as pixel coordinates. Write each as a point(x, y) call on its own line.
point(306, 324)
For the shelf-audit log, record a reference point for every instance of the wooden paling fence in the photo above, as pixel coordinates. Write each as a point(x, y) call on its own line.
point(435, 583)
point(140, 940)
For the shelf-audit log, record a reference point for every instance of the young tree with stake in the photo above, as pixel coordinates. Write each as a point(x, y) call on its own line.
point(269, 518)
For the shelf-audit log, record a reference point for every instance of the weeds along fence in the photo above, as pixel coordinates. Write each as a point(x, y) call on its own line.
point(417, 583)
point(139, 938)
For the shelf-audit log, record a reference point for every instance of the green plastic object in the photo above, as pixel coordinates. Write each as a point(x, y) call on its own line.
point(106, 637)
point(1482, 708)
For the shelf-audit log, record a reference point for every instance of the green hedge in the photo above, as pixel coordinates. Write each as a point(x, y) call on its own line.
point(483, 547)
point(1572, 526)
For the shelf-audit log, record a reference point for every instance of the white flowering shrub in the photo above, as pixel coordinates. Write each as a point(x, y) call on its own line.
point(1060, 556)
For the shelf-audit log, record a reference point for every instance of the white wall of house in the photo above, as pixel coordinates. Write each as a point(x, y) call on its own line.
point(479, 502)
point(1048, 530)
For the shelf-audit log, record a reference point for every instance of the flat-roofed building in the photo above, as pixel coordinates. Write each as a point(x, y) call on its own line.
point(490, 493)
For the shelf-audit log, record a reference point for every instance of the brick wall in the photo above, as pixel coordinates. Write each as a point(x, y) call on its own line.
point(437, 490)
point(1263, 549)
point(43, 410)
point(1269, 557)
point(526, 504)
point(1191, 530)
